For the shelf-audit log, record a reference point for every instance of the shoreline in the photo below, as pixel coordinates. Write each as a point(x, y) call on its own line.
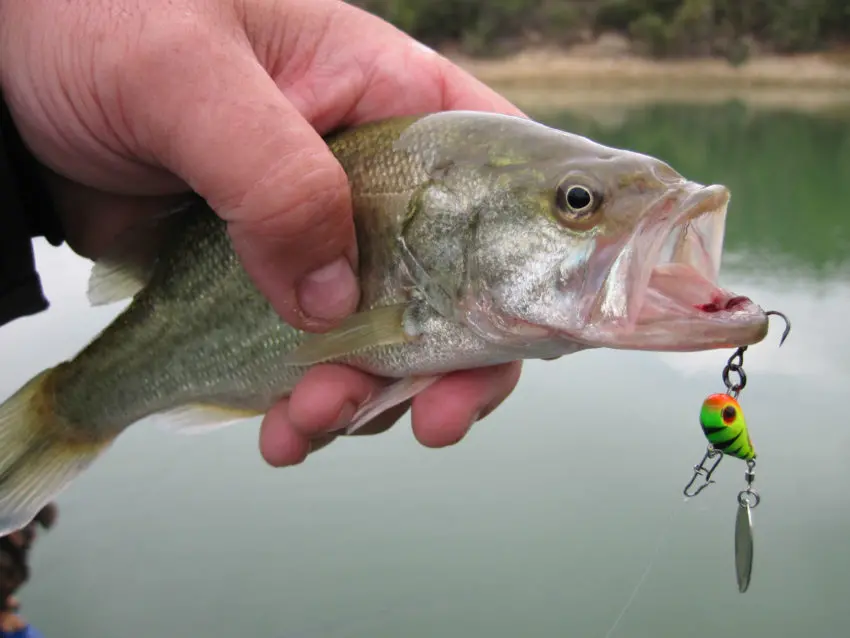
point(585, 79)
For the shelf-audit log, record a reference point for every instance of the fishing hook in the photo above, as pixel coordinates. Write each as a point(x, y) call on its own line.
point(736, 361)
point(787, 324)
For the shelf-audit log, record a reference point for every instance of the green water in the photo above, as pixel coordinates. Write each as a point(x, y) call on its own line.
point(546, 518)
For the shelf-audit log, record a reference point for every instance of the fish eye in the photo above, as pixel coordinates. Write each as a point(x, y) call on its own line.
point(577, 203)
point(729, 413)
point(579, 198)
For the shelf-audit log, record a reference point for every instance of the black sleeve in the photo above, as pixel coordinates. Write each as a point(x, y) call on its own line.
point(26, 212)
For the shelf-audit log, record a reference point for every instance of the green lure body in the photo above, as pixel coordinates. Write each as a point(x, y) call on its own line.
point(725, 427)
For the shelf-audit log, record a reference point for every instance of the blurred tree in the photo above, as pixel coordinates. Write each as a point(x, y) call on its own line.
point(657, 27)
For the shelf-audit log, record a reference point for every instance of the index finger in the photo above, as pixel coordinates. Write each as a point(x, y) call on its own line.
point(361, 68)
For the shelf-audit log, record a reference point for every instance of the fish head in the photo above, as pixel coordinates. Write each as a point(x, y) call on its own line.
point(579, 242)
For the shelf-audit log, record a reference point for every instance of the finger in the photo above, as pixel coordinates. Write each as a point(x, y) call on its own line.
point(327, 397)
point(281, 448)
point(283, 441)
point(206, 109)
point(461, 90)
point(440, 85)
point(443, 414)
point(93, 219)
point(384, 73)
point(280, 443)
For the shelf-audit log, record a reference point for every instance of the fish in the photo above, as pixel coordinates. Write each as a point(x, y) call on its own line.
point(723, 424)
point(483, 239)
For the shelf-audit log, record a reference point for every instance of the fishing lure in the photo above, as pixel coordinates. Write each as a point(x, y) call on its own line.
point(724, 426)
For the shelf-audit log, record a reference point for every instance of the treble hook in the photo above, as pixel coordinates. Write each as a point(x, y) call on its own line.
point(787, 324)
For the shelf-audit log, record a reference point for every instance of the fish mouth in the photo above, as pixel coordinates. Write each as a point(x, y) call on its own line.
point(670, 268)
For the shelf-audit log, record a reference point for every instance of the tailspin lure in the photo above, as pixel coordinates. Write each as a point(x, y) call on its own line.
point(724, 426)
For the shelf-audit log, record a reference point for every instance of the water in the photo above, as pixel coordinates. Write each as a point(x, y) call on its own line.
point(541, 522)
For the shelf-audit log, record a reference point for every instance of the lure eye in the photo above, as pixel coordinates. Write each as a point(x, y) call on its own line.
point(729, 413)
point(577, 204)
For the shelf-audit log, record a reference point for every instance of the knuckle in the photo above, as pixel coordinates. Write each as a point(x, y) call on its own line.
point(302, 200)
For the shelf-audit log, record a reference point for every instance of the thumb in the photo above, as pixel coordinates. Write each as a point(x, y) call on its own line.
point(214, 117)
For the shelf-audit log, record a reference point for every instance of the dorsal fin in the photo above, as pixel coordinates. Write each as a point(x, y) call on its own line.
point(127, 266)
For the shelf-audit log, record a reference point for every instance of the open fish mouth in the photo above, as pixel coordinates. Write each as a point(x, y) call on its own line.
point(670, 271)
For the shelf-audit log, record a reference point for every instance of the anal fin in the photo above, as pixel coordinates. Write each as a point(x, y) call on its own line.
point(197, 418)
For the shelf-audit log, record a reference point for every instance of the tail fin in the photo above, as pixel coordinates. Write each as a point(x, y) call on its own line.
point(39, 453)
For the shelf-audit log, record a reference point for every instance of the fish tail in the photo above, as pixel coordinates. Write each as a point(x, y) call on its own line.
point(40, 453)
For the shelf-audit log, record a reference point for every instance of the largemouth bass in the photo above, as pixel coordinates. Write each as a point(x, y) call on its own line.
point(483, 239)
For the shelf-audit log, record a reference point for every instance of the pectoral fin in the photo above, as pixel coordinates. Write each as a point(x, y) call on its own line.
point(379, 327)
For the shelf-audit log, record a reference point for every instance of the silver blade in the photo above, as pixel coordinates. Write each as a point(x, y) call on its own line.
point(743, 547)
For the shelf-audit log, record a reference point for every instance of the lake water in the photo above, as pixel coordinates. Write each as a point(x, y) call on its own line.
point(545, 519)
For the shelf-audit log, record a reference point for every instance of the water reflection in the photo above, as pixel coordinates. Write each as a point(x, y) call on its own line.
point(543, 522)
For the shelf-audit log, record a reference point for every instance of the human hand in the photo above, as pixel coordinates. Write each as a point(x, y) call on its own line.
point(132, 103)
point(11, 623)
